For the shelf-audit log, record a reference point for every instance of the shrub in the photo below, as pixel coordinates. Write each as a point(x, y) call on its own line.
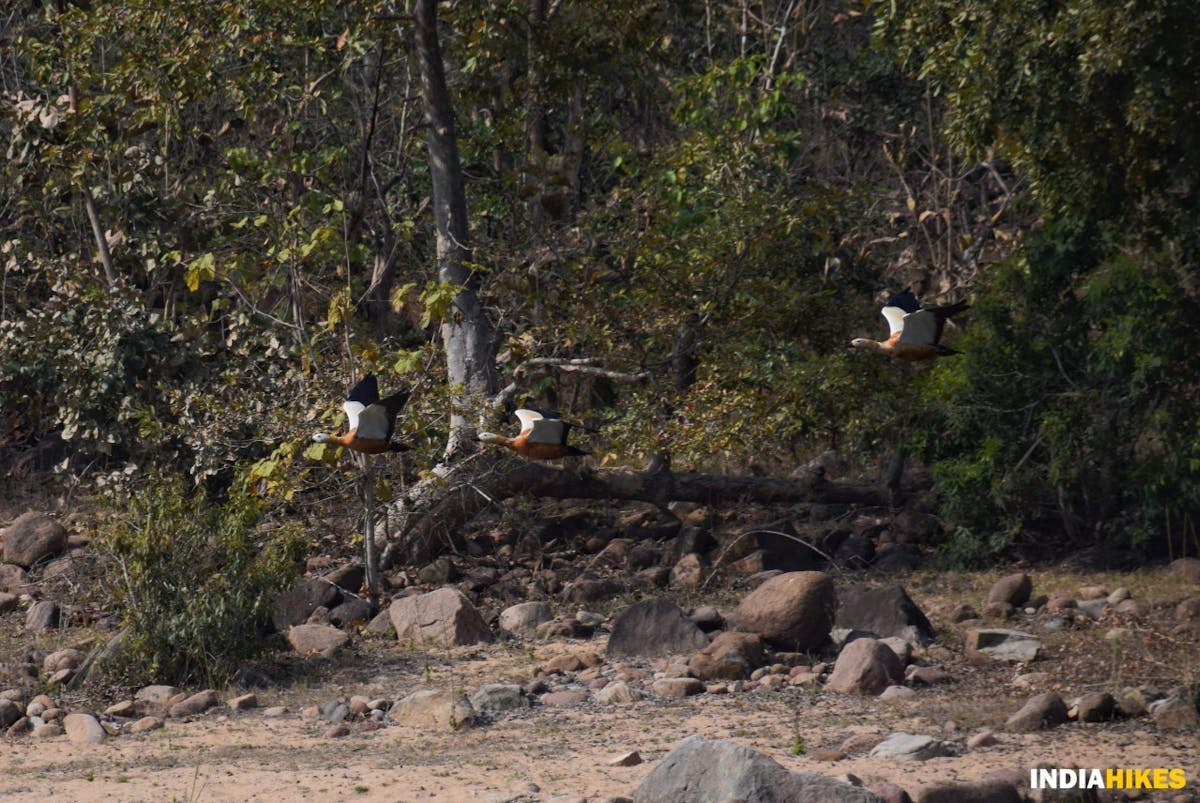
point(194, 581)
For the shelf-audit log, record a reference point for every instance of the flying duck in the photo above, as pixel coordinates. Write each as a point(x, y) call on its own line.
point(915, 330)
point(543, 436)
point(370, 420)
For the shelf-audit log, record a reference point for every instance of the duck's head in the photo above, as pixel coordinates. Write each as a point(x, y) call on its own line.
point(862, 343)
point(322, 437)
point(493, 438)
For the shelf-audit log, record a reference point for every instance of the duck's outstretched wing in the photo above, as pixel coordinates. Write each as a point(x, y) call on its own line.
point(542, 426)
point(895, 319)
point(920, 328)
point(360, 397)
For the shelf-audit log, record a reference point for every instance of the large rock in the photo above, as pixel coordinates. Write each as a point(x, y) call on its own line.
point(654, 628)
point(293, 607)
point(12, 578)
point(496, 698)
point(523, 618)
point(84, 728)
point(1039, 712)
point(443, 618)
point(42, 615)
point(33, 537)
point(1002, 644)
point(865, 666)
point(1177, 712)
point(156, 695)
point(197, 703)
point(1013, 590)
point(1187, 568)
point(911, 747)
point(776, 545)
point(792, 611)
point(317, 639)
point(703, 771)
point(10, 712)
point(730, 656)
point(884, 612)
point(440, 709)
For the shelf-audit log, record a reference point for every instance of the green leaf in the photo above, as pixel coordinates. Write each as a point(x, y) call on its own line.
point(202, 268)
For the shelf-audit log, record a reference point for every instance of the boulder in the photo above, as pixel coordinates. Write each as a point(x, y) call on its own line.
point(495, 698)
point(865, 666)
point(775, 545)
point(911, 747)
point(10, 712)
point(1176, 712)
point(440, 709)
point(702, 771)
point(592, 589)
point(619, 692)
point(354, 611)
point(1001, 644)
point(444, 618)
point(293, 607)
point(42, 615)
point(84, 728)
point(688, 572)
point(887, 611)
point(349, 577)
point(677, 687)
point(523, 618)
point(1098, 706)
point(654, 628)
point(33, 537)
point(322, 640)
point(13, 579)
point(1187, 568)
point(1014, 590)
point(1039, 712)
point(792, 611)
point(198, 703)
point(730, 656)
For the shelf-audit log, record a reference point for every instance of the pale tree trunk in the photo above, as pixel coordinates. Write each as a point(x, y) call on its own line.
point(466, 333)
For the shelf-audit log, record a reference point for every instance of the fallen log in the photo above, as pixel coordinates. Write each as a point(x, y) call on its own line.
point(433, 515)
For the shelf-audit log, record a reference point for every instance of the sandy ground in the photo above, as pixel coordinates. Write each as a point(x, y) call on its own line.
point(546, 753)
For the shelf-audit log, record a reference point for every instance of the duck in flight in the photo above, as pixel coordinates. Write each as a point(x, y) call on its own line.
point(916, 331)
point(370, 420)
point(543, 436)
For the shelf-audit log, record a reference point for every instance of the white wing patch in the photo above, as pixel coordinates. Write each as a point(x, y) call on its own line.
point(540, 428)
point(528, 418)
point(919, 328)
point(895, 318)
point(353, 411)
point(373, 423)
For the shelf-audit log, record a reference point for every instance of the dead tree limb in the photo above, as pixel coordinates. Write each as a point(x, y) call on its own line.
point(437, 510)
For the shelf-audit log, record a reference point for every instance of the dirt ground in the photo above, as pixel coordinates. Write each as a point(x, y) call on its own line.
point(550, 753)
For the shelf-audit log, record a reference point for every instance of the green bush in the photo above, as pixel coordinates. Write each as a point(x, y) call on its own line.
point(194, 581)
point(1072, 417)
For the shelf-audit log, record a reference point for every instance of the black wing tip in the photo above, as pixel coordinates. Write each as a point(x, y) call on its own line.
point(366, 391)
point(905, 300)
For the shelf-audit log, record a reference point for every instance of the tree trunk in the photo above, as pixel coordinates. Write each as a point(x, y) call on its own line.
point(466, 333)
point(440, 511)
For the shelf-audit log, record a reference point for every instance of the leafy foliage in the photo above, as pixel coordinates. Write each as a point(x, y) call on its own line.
point(194, 581)
point(712, 199)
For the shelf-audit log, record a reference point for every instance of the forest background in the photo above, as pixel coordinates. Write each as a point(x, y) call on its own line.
point(215, 215)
